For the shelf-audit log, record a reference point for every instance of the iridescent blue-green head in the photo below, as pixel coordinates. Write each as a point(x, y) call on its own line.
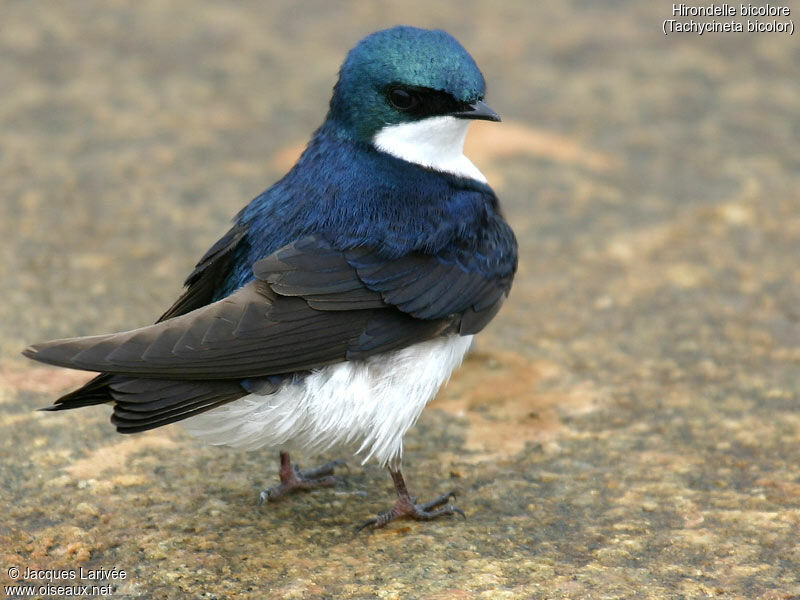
point(406, 75)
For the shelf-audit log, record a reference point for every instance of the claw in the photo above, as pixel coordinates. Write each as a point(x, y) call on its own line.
point(293, 479)
point(439, 500)
point(406, 506)
point(320, 471)
point(366, 523)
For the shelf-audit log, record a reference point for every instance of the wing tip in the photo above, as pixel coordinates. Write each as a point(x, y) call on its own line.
point(66, 353)
point(31, 351)
point(47, 353)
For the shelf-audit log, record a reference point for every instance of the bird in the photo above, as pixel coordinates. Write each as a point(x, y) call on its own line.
point(342, 297)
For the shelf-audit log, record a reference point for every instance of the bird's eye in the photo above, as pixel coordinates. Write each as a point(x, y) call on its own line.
point(402, 99)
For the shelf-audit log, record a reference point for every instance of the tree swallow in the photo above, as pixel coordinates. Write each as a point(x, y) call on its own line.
point(343, 296)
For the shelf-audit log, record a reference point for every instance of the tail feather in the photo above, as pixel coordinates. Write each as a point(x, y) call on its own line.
point(142, 404)
point(91, 393)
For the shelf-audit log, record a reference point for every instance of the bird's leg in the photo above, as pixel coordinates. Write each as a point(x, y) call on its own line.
point(406, 506)
point(293, 479)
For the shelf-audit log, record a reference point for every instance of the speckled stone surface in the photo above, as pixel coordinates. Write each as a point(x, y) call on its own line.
point(628, 427)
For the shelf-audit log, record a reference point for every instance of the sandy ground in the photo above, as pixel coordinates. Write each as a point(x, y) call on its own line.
point(628, 426)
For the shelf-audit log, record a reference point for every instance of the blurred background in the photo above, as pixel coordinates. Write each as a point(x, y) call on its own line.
point(627, 427)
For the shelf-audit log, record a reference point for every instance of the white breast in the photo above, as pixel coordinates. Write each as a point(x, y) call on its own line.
point(436, 143)
point(367, 404)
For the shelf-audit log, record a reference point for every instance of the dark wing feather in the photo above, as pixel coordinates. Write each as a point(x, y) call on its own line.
point(201, 286)
point(430, 287)
point(311, 305)
point(254, 332)
point(209, 274)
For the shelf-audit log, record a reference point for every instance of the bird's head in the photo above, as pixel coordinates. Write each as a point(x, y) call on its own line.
point(407, 82)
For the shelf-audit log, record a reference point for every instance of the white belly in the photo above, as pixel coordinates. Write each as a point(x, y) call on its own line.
point(366, 404)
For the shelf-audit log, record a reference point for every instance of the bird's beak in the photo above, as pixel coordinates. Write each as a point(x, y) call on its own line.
point(478, 110)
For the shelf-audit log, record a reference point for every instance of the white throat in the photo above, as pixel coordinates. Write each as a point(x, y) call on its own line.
point(436, 143)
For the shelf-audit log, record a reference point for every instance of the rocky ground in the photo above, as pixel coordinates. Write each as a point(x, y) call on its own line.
point(628, 427)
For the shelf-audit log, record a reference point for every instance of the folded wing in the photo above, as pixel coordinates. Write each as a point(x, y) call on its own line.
point(310, 305)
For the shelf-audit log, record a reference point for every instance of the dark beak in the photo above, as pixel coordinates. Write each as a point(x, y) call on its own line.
point(478, 110)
